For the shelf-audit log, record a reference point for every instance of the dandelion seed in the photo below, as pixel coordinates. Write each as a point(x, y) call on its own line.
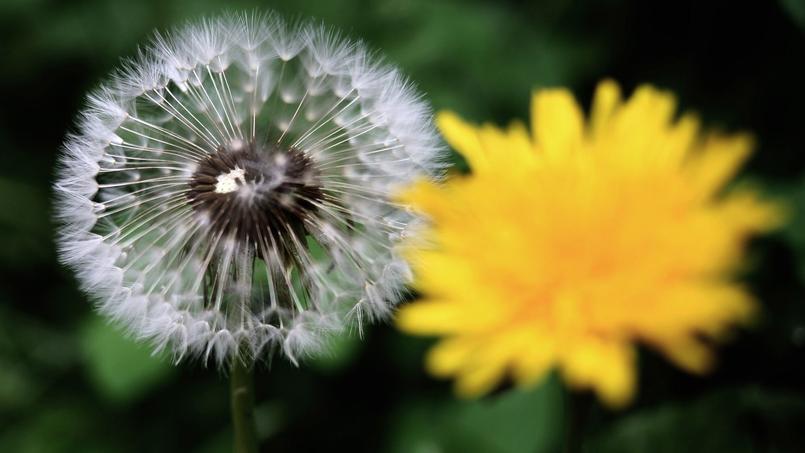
point(227, 192)
point(564, 248)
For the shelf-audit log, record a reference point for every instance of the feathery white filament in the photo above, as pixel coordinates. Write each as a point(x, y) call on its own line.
point(229, 191)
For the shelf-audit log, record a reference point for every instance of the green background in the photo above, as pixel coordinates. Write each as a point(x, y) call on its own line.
point(70, 383)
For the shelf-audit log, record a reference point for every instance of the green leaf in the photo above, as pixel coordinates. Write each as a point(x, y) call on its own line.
point(18, 386)
point(518, 421)
point(795, 9)
point(59, 427)
point(732, 420)
point(121, 369)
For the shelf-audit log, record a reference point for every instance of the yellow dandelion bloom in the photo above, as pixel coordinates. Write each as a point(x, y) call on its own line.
point(564, 248)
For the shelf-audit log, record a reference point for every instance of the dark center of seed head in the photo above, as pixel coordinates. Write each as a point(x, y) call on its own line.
point(259, 194)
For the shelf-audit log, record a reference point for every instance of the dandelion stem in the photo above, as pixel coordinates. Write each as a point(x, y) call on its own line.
point(242, 400)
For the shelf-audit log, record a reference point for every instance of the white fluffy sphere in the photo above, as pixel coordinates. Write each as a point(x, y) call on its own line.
point(228, 192)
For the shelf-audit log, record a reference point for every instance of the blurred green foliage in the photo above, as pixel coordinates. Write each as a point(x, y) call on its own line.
point(733, 420)
point(120, 369)
point(71, 383)
point(513, 422)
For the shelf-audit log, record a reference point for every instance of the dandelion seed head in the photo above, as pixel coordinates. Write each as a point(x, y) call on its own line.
point(227, 192)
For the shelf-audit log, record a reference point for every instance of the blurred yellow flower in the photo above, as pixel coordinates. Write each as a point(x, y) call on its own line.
point(566, 247)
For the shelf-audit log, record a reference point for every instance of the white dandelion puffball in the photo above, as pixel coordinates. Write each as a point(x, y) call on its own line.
point(228, 192)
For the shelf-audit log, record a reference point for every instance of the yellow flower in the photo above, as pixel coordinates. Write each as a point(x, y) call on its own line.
point(564, 248)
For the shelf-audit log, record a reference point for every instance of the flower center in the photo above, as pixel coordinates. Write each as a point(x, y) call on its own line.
point(259, 194)
point(229, 182)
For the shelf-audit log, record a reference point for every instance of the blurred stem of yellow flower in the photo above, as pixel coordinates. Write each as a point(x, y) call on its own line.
point(568, 245)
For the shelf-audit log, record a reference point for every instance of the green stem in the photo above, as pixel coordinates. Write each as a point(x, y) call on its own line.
point(242, 399)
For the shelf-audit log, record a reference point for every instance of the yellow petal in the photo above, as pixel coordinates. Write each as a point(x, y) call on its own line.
point(464, 138)
point(616, 383)
point(424, 196)
point(513, 150)
point(429, 317)
point(449, 355)
point(557, 122)
point(534, 359)
point(711, 169)
point(606, 100)
point(745, 210)
point(679, 141)
point(604, 365)
point(438, 317)
point(635, 130)
point(689, 354)
point(489, 363)
point(479, 381)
